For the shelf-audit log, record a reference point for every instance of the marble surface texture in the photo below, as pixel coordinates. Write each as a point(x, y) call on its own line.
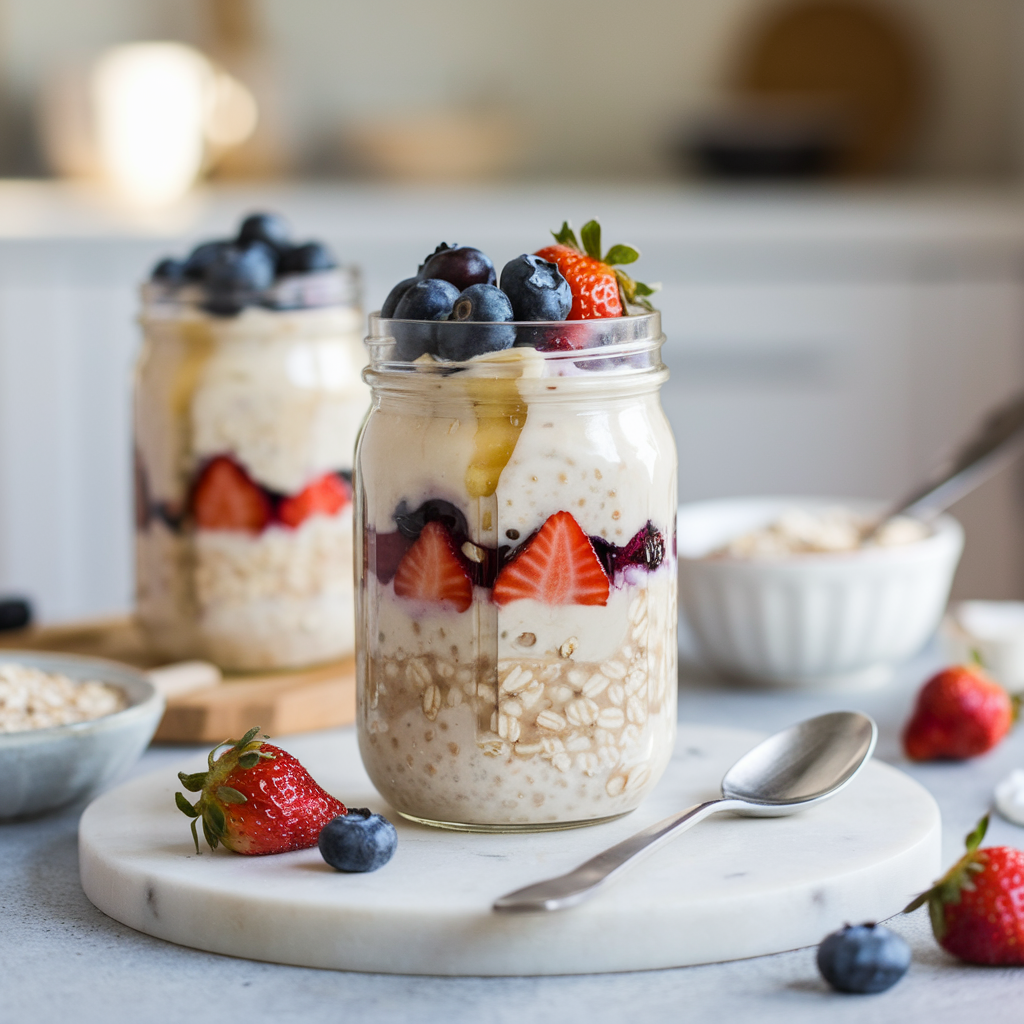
point(733, 887)
point(63, 959)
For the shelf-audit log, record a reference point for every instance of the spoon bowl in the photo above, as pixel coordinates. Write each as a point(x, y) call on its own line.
point(802, 765)
point(795, 769)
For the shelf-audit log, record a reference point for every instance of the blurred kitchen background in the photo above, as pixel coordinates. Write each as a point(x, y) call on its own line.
point(829, 191)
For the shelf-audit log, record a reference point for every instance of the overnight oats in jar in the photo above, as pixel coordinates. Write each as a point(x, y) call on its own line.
point(516, 577)
point(248, 400)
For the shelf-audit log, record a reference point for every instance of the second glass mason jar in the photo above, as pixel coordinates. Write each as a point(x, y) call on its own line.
point(516, 575)
point(245, 429)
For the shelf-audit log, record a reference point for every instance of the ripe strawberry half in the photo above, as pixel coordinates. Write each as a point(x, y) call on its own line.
point(326, 496)
point(960, 713)
point(225, 498)
point(558, 565)
point(598, 289)
point(977, 907)
point(432, 571)
point(256, 798)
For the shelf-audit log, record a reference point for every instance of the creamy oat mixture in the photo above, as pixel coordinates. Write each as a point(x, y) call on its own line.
point(799, 531)
point(33, 699)
point(280, 393)
point(526, 714)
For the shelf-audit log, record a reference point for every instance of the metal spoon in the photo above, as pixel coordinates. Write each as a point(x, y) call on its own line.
point(996, 442)
point(788, 772)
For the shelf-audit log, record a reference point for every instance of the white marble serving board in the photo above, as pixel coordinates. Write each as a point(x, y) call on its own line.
point(730, 888)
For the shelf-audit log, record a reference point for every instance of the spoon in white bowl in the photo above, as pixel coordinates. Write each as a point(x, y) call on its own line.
point(788, 772)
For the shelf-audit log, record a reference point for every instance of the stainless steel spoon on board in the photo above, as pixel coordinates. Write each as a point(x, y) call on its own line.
point(788, 772)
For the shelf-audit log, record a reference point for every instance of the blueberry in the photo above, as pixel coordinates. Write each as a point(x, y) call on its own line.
point(482, 313)
point(460, 266)
point(269, 228)
point(358, 841)
point(395, 296)
point(863, 958)
point(434, 510)
point(236, 276)
point(202, 256)
point(429, 299)
point(536, 289)
point(306, 259)
point(169, 271)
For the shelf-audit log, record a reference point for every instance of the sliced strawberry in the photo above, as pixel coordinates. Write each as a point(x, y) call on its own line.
point(326, 496)
point(225, 498)
point(431, 570)
point(557, 566)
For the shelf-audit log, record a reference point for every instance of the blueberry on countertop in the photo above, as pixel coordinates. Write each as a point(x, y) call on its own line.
point(236, 275)
point(460, 266)
point(395, 297)
point(863, 958)
point(306, 259)
point(270, 228)
point(536, 289)
point(358, 841)
point(169, 271)
point(484, 311)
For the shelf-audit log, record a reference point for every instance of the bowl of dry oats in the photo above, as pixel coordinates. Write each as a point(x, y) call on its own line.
point(69, 725)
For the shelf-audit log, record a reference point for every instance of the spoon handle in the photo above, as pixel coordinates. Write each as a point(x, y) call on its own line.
point(572, 888)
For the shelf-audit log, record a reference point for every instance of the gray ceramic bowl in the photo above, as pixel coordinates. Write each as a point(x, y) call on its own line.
point(43, 769)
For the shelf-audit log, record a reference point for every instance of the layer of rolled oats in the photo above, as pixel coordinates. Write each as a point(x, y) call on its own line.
point(523, 740)
point(33, 699)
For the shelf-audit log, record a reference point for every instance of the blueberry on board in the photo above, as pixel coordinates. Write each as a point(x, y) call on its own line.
point(358, 841)
point(270, 228)
point(460, 266)
point(306, 259)
point(169, 271)
point(202, 256)
point(863, 958)
point(427, 299)
point(536, 289)
point(395, 296)
point(482, 313)
point(236, 276)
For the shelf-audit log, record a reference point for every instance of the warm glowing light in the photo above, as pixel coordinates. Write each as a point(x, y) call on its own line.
point(156, 109)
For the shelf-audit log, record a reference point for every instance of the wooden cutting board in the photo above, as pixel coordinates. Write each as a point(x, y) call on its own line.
point(283, 702)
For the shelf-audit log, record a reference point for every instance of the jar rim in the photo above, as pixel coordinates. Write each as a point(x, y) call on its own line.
point(565, 347)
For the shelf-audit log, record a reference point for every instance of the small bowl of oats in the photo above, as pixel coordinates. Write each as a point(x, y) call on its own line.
point(69, 725)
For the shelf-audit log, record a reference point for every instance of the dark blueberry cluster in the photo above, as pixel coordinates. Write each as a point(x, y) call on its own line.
point(260, 266)
point(458, 284)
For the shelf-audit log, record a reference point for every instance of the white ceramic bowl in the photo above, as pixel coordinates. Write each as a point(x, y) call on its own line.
point(43, 769)
point(809, 620)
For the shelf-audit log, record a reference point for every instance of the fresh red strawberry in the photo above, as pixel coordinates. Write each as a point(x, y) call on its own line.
point(431, 570)
point(225, 498)
point(598, 289)
point(256, 798)
point(960, 713)
point(977, 907)
point(558, 565)
point(326, 496)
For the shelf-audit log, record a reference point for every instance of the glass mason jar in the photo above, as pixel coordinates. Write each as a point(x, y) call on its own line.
point(516, 577)
point(245, 430)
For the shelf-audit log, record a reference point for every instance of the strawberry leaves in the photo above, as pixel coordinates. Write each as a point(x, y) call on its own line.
point(632, 293)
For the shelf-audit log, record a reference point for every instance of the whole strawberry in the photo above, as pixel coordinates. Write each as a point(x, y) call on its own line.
point(977, 907)
point(256, 798)
point(960, 713)
point(598, 289)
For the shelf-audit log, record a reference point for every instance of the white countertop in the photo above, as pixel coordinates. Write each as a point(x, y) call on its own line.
point(62, 959)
